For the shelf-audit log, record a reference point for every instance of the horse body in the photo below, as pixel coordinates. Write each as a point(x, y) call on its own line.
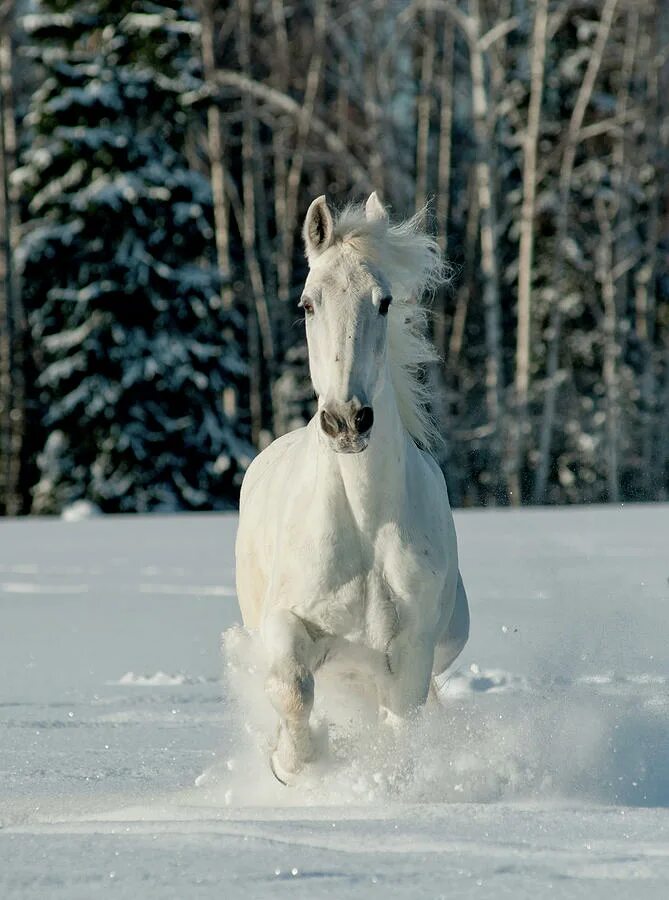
point(349, 557)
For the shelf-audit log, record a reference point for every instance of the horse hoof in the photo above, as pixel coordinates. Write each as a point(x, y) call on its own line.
point(283, 776)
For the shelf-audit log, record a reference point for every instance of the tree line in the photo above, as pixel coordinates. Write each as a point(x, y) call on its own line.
point(156, 160)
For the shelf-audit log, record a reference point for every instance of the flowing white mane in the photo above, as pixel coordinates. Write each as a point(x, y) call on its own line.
point(410, 260)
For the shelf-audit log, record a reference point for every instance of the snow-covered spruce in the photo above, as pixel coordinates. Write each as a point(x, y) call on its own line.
point(133, 348)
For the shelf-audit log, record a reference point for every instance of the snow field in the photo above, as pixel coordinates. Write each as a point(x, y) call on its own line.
point(128, 764)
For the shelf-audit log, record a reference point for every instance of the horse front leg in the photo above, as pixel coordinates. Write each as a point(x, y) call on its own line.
point(409, 659)
point(290, 689)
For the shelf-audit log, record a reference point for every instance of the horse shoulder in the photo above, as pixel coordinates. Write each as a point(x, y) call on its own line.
point(265, 476)
point(267, 461)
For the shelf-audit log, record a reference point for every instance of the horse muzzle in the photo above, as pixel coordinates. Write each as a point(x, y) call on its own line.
point(347, 426)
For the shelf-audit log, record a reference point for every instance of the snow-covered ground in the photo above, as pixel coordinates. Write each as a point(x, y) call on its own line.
point(544, 773)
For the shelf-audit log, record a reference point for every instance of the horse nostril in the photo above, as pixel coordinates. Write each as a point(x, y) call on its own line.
point(363, 419)
point(329, 423)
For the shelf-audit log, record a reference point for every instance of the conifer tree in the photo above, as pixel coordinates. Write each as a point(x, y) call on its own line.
point(133, 345)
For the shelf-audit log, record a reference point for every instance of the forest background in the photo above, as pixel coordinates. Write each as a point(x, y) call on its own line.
point(156, 161)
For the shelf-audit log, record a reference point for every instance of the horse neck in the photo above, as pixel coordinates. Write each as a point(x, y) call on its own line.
point(374, 480)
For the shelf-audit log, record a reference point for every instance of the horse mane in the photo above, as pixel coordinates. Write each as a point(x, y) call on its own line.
point(411, 261)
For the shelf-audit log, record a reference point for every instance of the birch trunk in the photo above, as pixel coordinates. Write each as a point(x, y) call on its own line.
point(662, 466)
point(623, 249)
point(444, 158)
point(259, 311)
point(215, 152)
point(280, 144)
point(364, 22)
point(526, 245)
point(445, 135)
point(645, 283)
point(604, 274)
point(488, 234)
point(312, 85)
point(423, 112)
point(467, 285)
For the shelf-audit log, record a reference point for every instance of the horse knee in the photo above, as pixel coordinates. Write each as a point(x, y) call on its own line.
point(290, 688)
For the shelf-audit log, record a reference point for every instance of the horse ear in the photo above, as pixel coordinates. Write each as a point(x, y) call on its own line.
point(318, 230)
point(375, 210)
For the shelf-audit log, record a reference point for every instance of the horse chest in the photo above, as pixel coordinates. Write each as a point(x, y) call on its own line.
point(356, 586)
point(352, 568)
point(362, 608)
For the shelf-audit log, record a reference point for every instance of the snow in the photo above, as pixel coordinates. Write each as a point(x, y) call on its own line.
point(158, 679)
point(80, 509)
point(544, 772)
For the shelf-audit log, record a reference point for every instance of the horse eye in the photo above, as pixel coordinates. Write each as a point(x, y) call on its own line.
point(307, 306)
point(384, 305)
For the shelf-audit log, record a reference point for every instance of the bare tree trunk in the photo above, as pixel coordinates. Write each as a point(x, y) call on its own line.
point(423, 112)
point(439, 370)
point(364, 22)
point(255, 381)
point(280, 146)
point(624, 252)
point(604, 275)
point(566, 174)
point(646, 275)
point(12, 322)
point(343, 98)
point(467, 287)
point(259, 310)
point(662, 463)
point(281, 77)
point(444, 150)
point(445, 135)
point(488, 235)
point(526, 246)
point(282, 45)
point(215, 152)
point(294, 179)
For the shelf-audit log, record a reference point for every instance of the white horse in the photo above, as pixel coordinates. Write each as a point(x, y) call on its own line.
point(346, 549)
